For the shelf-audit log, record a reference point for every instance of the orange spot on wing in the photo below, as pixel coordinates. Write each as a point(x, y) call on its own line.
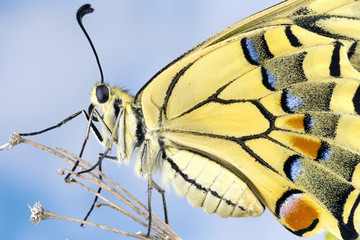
point(308, 146)
point(298, 213)
point(296, 122)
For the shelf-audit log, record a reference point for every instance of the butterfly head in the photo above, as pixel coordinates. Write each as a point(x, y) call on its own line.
point(107, 99)
point(117, 118)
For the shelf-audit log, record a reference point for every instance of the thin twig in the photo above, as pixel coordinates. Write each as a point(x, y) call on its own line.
point(38, 214)
point(159, 228)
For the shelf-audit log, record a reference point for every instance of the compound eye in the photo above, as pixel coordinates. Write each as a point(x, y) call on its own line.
point(102, 93)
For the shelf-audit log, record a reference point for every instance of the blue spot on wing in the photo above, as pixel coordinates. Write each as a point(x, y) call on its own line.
point(250, 51)
point(290, 103)
point(324, 152)
point(292, 167)
point(293, 102)
point(295, 169)
point(268, 79)
point(309, 122)
point(272, 79)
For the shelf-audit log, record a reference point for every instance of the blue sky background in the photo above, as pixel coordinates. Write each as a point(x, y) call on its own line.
point(46, 71)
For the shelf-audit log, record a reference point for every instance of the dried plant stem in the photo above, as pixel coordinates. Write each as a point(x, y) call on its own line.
point(159, 227)
point(44, 214)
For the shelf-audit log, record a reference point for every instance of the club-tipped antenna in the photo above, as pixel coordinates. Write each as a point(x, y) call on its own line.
point(83, 10)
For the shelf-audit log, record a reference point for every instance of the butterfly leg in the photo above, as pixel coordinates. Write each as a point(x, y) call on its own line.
point(162, 192)
point(95, 130)
point(97, 134)
point(101, 156)
point(56, 125)
point(146, 161)
point(90, 125)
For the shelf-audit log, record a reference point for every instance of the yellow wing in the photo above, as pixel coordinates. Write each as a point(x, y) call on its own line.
point(266, 112)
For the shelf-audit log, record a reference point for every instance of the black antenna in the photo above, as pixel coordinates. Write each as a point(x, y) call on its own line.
point(83, 10)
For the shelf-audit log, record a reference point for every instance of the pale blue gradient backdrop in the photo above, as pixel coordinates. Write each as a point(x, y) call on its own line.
point(46, 72)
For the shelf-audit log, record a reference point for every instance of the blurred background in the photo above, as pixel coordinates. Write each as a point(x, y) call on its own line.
point(46, 72)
